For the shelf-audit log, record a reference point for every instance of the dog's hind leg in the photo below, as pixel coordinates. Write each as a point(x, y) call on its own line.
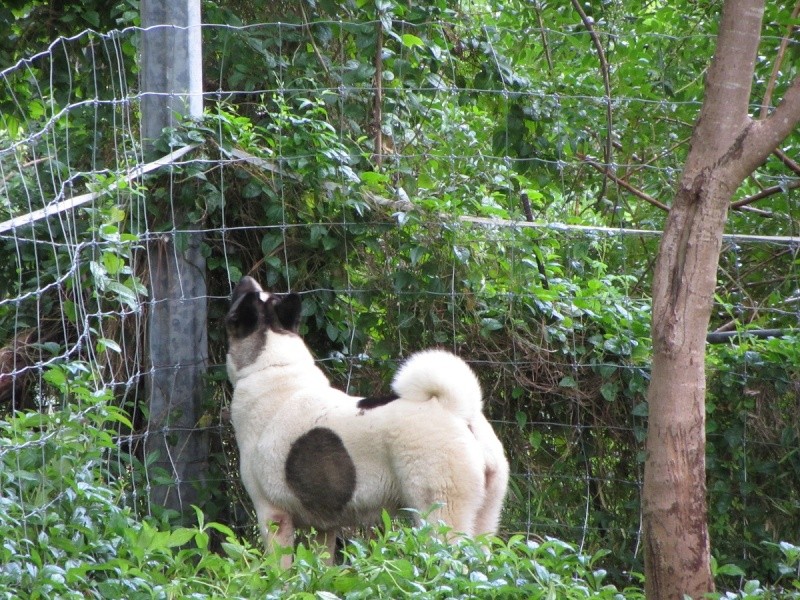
point(456, 495)
point(495, 482)
point(488, 517)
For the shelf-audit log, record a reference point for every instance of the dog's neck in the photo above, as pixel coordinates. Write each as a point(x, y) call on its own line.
point(284, 362)
point(263, 389)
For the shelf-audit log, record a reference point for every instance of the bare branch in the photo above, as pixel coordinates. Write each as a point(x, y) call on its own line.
point(778, 62)
point(624, 184)
point(317, 53)
point(770, 132)
point(787, 160)
point(377, 110)
point(770, 191)
point(739, 205)
point(587, 22)
point(538, 8)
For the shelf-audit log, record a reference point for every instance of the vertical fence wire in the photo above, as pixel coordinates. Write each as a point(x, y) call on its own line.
point(79, 302)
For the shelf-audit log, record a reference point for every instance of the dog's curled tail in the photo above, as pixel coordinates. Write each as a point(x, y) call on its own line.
point(440, 375)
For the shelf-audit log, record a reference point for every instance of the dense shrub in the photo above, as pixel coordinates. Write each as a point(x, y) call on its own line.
point(68, 531)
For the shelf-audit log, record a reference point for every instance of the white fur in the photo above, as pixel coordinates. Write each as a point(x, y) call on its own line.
point(432, 445)
point(441, 376)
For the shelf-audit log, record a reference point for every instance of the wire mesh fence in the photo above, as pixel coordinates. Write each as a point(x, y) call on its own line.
point(474, 242)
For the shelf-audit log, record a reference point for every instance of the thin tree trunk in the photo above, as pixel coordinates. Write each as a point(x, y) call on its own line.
point(727, 145)
point(677, 553)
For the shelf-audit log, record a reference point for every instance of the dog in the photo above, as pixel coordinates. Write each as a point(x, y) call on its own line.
point(312, 456)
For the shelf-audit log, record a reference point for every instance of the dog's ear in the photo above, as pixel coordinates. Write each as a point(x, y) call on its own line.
point(287, 309)
point(246, 285)
point(246, 307)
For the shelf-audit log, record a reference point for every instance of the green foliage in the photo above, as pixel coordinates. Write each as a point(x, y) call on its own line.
point(786, 559)
point(67, 533)
point(59, 518)
point(752, 457)
point(474, 123)
point(417, 563)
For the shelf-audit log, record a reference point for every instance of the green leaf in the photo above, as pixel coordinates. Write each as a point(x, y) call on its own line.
point(235, 551)
point(98, 272)
point(124, 294)
point(373, 179)
point(201, 540)
point(332, 331)
point(251, 190)
point(56, 376)
point(180, 536)
point(730, 570)
point(270, 242)
point(113, 263)
point(411, 41)
point(104, 344)
point(568, 382)
point(609, 391)
point(491, 324)
point(416, 253)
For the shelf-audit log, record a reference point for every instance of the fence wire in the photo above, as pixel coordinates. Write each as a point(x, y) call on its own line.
point(80, 206)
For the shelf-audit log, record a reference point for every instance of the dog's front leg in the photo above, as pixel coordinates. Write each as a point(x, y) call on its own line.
point(277, 528)
point(328, 540)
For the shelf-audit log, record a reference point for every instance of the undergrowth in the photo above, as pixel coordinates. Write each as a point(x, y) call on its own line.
point(68, 532)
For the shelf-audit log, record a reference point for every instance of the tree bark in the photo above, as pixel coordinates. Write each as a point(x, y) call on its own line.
point(727, 145)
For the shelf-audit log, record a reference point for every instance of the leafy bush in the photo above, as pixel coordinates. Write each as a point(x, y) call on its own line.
point(474, 124)
point(67, 531)
point(753, 462)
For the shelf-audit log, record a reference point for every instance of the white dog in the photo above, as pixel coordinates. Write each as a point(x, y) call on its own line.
point(312, 456)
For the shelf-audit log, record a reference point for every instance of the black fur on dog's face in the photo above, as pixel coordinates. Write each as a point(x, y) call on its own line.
point(253, 313)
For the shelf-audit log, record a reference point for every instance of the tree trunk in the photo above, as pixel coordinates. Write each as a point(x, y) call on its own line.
point(727, 145)
point(677, 549)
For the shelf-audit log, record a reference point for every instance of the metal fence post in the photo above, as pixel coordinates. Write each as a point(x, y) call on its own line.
point(171, 85)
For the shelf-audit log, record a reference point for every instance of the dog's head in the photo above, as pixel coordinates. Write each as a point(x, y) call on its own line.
point(254, 315)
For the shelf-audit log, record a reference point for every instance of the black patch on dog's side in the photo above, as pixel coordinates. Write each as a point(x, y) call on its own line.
point(321, 473)
point(376, 401)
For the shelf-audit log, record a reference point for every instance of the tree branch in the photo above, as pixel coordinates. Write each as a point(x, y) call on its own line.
point(587, 22)
point(724, 126)
point(775, 189)
point(778, 62)
point(788, 161)
point(738, 205)
point(770, 132)
point(317, 53)
point(624, 184)
point(725, 111)
point(377, 114)
point(538, 9)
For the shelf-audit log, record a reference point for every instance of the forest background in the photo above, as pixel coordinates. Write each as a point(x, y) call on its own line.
point(487, 178)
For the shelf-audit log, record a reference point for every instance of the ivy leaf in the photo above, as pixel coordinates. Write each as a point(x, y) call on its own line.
point(411, 41)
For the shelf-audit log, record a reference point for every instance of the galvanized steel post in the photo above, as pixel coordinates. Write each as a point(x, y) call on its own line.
point(171, 87)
